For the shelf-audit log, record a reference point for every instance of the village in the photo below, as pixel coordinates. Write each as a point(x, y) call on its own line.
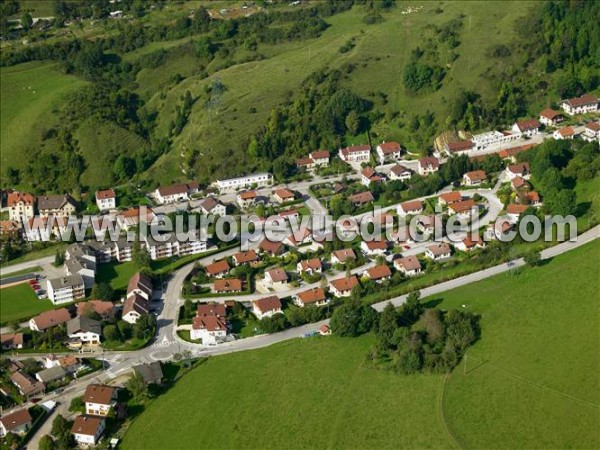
point(228, 295)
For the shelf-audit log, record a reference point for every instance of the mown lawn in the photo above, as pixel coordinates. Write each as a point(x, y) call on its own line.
point(20, 302)
point(531, 381)
point(116, 274)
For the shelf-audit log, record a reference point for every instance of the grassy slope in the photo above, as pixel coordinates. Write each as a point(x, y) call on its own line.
point(540, 334)
point(379, 56)
point(18, 302)
point(109, 139)
point(30, 92)
point(532, 380)
point(117, 274)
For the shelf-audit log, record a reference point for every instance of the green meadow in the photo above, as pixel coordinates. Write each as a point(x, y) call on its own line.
point(531, 381)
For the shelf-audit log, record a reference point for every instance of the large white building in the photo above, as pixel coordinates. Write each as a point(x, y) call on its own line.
point(355, 153)
point(66, 289)
point(245, 182)
point(587, 103)
point(482, 141)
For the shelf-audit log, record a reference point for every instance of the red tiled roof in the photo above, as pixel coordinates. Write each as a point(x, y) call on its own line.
point(99, 393)
point(284, 193)
point(103, 195)
point(476, 175)
point(518, 182)
point(457, 146)
point(247, 195)
point(16, 419)
point(413, 205)
point(245, 257)
point(211, 309)
point(272, 247)
point(513, 208)
point(429, 161)
point(399, 169)
point(266, 304)
point(304, 162)
point(567, 131)
point(376, 245)
point(217, 268)
point(585, 99)
point(362, 197)
point(355, 149)
point(312, 296)
point(594, 126)
point(462, 206)
point(379, 272)
point(439, 249)
point(345, 284)
point(518, 168)
point(550, 114)
point(344, 254)
point(52, 318)
point(277, 275)
point(100, 307)
point(173, 189)
point(319, 154)
point(209, 323)
point(526, 125)
point(87, 425)
point(408, 262)
point(451, 197)
point(17, 197)
point(389, 147)
point(313, 264)
point(514, 150)
point(227, 285)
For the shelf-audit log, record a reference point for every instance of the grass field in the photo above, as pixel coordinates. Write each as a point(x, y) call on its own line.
point(531, 381)
point(30, 92)
point(20, 302)
point(116, 274)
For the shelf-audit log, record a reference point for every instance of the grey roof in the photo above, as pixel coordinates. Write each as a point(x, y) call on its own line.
point(54, 373)
point(149, 372)
point(54, 201)
point(83, 323)
point(66, 281)
point(77, 249)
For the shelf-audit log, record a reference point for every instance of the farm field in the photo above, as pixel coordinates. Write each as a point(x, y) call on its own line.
point(20, 302)
point(531, 380)
point(30, 93)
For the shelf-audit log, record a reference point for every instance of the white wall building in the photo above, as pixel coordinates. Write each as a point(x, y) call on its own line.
point(245, 182)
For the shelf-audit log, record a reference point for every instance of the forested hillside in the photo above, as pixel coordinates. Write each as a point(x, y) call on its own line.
point(169, 93)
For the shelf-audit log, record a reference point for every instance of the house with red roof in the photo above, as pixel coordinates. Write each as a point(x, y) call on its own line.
point(106, 199)
point(564, 133)
point(409, 266)
point(355, 153)
point(378, 273)
point(549, 117)
point(428, 165)
point(388, 151)
point(474, 178)
point(314, 296)
point(527, 128)
point(342, 287)
point(585, 104)
point(266, 307)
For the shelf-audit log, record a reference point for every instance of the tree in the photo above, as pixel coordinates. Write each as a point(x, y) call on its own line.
point(77, 404)
point(562, 203)
point(141, 257)
point(26, 21)
point(111, 333)
point(434, 325)
point(533, 258)
point(61, 430)
point(59, 258)
point(47, 443)
point(124, 167)
point(103, 291)
point(388, 323)
point(352, 122)
point(188, 307)
point(412, 308)
point(137, 386)
point(353, 319)
point(144, 327)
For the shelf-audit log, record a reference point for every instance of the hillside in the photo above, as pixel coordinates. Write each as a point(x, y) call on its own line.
point(178, 95)
point(531, 379)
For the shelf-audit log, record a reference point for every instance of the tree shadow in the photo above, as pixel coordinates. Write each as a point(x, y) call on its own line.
point(582, 208)
point(433, 302)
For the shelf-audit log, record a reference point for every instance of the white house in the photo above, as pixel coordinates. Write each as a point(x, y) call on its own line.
point(342, 287)
point(409, 266)
point(526, 127)
point(212, 329)
point(468, 244)
point(399, 172)
point(175, 192)
point(410, 207)
point(65, 289)
point(378, 273)
point(266, 307)
point(438, 251)
point(342, 256)
point(244, 182)
point(454, 148)
point(88, 429)
point(84, 330)
point(106, 200)
point(49, 319)
point(355, 153)
point(320, 158)
point(518, 170)
point(368, 175)
point(314, 296)
point(20, 206)
point(549, 117)
point(564, 133)
point(283, 195)
point(388, 150)
point(474, 178)
point(141, 285)
point(135, 306)
point(587, 103)
point(99, 399)
point(374, 248)
point(17, 422)
point(514, 211)
point(246, 199)
point(212, 206)
point(482, 141)
point(276, 278)
point(310, 266)
point(428, 165)
point(591, 132)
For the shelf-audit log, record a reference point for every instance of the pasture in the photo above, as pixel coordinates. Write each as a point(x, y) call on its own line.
point(531, 381)
point(19, 302)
